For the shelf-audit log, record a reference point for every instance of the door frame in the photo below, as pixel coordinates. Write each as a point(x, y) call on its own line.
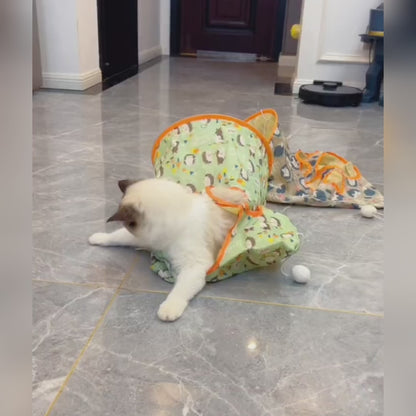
point(117, 77)
point(175, 28)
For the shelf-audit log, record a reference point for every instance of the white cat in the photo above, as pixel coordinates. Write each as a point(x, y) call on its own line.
point(189, 228)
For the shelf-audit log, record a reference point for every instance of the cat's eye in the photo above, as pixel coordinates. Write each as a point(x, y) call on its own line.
point(132, 224)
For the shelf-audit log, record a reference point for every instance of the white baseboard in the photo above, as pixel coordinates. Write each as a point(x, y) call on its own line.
point(344, 58)
point(148, 54)
point(299, 81)
point(287, 60)
point(72, 81)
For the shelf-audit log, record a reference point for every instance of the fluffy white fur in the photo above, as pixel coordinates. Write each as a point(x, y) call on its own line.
point(188, 227)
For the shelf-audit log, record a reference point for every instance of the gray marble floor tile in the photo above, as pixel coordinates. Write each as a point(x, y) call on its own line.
point(63, 319)
point(143, 278)
point(302, 362)
point(66, 211)
point(71, 200)
point(56, 113)
point(48, 151)
point(61, 251)
point(343, 251)
point(228, 358)
point(203, 75)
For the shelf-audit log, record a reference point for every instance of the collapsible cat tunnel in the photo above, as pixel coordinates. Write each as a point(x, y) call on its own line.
point(206, 151)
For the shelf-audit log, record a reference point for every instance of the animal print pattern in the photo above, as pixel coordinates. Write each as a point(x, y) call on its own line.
point(212, 152)
point(215, 151)
point(256, 242)
point(318, 179)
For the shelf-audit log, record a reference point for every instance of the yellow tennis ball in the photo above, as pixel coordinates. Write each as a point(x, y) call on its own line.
point(295, 31)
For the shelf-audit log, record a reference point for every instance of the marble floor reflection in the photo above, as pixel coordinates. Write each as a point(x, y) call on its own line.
point(255, 344)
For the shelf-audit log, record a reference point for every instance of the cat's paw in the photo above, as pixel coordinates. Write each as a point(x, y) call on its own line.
point(171, 309)
point(99, 239)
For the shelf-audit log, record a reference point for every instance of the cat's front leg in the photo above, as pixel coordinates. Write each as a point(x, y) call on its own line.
point(120, 237)
point(189, 282)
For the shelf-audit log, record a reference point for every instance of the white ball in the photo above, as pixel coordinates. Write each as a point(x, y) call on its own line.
point(368, 211)
point(301, 274)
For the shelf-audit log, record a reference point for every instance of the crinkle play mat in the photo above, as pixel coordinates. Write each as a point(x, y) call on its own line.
point(319, 179)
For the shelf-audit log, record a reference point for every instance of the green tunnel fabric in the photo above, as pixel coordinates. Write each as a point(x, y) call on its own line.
point(216, 150)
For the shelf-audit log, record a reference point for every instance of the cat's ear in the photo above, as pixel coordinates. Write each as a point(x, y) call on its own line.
point(124, 184)
point(125, 213)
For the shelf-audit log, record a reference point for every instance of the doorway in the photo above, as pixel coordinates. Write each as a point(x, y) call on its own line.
point(118, 39)
point(240, 26)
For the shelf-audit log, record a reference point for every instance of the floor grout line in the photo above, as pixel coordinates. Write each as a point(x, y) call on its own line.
point(260, 302)
point(151, 291)
point(224, 298)
point(86, 284)
point(287, 305)
point(91, 337)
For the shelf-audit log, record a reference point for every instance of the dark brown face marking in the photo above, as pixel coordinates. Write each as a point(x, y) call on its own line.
point(126, 214)
point(124, 184)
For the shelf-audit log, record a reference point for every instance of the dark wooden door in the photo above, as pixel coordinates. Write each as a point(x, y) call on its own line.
point(248, 26)
point(117, 35)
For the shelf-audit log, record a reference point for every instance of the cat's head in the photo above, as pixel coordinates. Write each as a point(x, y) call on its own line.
point(130, 211)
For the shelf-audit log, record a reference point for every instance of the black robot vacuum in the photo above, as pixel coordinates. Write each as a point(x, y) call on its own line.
point(330, 94)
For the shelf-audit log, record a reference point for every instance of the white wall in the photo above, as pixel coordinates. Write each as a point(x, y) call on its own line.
point(57, 24)
point(68, 38)
point(149, 30)
point(330, 48)
point(88, 35)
